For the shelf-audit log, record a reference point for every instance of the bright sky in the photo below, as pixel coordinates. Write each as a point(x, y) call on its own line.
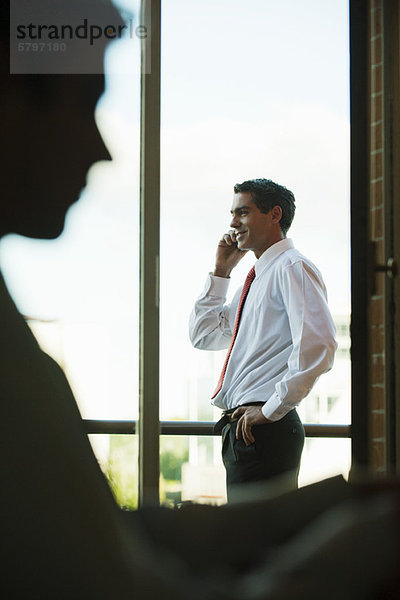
point(249, 89)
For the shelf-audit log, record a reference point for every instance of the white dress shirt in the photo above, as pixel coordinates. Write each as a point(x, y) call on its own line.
point(286, 336)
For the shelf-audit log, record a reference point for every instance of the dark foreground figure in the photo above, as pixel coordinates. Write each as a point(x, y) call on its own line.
point(62, 535)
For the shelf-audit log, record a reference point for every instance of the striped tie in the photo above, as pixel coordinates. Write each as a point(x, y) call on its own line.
point(249, 280)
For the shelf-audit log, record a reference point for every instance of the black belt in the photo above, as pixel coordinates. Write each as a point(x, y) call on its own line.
point(227, 416)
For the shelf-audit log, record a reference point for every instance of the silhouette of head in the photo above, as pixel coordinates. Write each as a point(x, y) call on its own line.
point(49, 140)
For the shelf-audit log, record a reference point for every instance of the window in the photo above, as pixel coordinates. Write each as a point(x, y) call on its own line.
point(80, 292)
point(257, 89)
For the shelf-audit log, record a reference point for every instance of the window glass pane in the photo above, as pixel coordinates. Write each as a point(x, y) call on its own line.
point(256, 89)
point(191, 470)
point(324, 457)
point(80, 291)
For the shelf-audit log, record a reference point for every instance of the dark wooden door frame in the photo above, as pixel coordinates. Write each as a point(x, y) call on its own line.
point(363, 267)
point(360, 259)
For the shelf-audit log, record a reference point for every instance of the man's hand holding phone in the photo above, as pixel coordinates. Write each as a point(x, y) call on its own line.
point(228, 254)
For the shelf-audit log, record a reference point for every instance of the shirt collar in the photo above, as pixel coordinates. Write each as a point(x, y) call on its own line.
point(271, 253)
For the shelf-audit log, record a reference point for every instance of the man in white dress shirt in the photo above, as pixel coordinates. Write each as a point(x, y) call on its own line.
point(285, 338)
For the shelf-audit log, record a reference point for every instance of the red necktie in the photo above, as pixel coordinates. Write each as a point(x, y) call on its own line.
point(249, 280)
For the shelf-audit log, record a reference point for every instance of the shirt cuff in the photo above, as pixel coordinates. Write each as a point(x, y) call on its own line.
point(217, 286)
point(273, 409)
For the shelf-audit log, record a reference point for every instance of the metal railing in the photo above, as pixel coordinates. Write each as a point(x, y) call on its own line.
point(93, 426)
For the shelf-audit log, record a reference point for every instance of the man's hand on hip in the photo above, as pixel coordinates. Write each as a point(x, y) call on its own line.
point(250, 415)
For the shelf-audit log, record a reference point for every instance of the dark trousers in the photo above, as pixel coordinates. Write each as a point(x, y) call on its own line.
point(276, 451)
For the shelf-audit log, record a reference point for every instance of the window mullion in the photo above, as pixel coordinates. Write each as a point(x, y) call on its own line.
point(149, 425)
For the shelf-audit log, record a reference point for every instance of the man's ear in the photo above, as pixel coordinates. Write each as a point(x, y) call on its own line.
point(276, 213)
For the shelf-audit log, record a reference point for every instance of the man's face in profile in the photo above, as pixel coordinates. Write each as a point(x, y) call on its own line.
point(52, 140)
point(49, 138)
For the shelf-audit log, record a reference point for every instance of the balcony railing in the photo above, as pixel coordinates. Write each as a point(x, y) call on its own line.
point(92, 426)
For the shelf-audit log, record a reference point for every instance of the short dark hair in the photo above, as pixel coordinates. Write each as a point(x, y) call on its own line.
point(266, 194)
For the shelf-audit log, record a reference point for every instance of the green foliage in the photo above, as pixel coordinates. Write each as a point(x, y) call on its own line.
point(174, 452)
point(171, 464)
point(122, 469)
